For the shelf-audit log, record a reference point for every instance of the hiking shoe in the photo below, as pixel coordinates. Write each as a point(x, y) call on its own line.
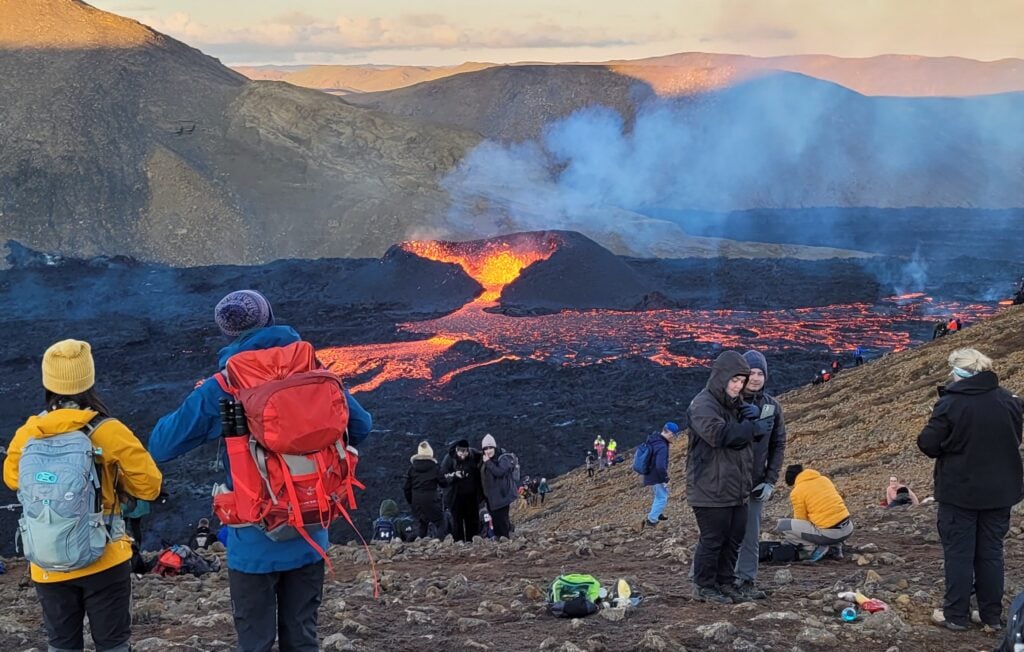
point(954, 627)
point(818, 553)
point(992, 629)
point(710, 594)
point(662, 518)
point(750, 591)
point(646, 523)
point(734, 594)
point(835, 552)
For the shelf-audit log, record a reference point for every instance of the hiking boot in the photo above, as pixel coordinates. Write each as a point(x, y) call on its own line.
point(818, 553)
point(646, 523)
point(750, 591)
point(989, 628)
point(954, 627)
point(662, 518)
point(710, 594)
point(734, 594)
point(835, 552)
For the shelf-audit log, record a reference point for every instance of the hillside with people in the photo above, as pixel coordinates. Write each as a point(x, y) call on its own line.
point(858, 429)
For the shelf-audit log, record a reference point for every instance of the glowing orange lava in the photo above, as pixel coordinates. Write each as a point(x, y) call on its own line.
point(493, 264)
point(683, 338)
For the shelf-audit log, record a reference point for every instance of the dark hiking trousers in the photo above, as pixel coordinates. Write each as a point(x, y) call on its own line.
point(282, 605)
point(721, 533)
point(502, 523)
point(105, 597)
point(972, 546)
point(466, 518)
point(430, 528)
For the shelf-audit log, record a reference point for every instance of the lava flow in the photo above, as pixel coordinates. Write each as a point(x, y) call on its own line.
point(491, 263)
point(472, 336)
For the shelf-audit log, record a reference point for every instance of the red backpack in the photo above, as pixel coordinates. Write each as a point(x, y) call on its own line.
point(292, 470)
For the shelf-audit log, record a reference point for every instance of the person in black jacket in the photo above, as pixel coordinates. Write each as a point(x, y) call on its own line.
point(500, 490)
point(423, 481)
point(719, 469)
point(768, 455)
point(974, 435)
point(461, 470)
point(657, 472)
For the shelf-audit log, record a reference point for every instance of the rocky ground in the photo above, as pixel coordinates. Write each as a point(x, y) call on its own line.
point(489, 596)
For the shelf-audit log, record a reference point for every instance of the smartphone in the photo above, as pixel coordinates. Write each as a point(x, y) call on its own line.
point(768, 410)
point(940, 390)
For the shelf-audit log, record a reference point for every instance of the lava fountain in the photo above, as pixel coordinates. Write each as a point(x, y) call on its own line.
point(491, 263)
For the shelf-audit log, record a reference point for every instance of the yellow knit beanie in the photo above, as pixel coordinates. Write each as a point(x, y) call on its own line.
point(68, 368)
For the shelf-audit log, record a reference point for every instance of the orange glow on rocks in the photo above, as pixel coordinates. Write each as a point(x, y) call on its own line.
point(493, 264)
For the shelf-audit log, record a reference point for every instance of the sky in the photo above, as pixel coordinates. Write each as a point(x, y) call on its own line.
point(448, 32)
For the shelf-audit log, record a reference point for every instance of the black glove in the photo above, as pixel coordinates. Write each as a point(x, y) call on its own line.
point(750, 411)
point(762, 428)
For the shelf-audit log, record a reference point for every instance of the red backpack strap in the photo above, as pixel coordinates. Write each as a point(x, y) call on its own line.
point(222, 379)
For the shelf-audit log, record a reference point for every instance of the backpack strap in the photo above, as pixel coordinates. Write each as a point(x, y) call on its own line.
point(225, 383)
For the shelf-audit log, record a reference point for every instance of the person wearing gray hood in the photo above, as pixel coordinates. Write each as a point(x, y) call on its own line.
point(768, 454)
point(719, 469)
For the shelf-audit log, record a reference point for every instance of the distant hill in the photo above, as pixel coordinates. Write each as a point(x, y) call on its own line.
point(781, 140)
point(341, 79)
point(119, 140)
point(696, 72)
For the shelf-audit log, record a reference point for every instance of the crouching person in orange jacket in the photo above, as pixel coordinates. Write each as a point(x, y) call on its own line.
point(68, 465)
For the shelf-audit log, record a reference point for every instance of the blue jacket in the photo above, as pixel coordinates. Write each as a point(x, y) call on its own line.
point(658, 473)
point(197, 421)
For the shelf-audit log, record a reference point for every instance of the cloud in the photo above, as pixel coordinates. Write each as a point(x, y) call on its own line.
point(297, 34)
point(758, 33)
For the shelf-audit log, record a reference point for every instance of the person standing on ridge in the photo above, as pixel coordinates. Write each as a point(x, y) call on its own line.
point(461, 470)
point(82, 576)
point(719, 468)
point(768, 456)
point(974, 436)
point(497, 477)
point(599, 449)
point(276, 586)
point(657, 475)
point(422, 482)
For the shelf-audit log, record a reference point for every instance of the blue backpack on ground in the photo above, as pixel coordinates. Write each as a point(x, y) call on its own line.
point(62, 526)
point(642, 459)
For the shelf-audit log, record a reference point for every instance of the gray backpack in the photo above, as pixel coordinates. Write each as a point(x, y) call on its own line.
point(62, 526)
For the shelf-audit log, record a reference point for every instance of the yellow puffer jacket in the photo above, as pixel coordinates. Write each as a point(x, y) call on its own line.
point(122, 454)
point(815, 499)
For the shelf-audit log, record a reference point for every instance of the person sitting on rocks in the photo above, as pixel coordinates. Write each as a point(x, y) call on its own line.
point(898, 494)
point(422, 482)
point(390, 525)
point(820, 516)
point(202, 538)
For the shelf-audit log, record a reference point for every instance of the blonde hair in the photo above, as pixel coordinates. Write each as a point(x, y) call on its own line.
point(970, 360)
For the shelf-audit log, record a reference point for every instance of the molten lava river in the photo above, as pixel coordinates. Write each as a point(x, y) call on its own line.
point(596, 336)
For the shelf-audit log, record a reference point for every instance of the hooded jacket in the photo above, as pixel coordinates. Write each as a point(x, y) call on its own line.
point(197, 421)
point(422, 481)
point(500, 489)
point(974, 436)
point(468, 486)
point(658, 473)
point(122, 455)
point(719, 463)
point(815, 499)
point(770, 451)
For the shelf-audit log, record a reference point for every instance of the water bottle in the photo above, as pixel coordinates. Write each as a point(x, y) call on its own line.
point(849, 614)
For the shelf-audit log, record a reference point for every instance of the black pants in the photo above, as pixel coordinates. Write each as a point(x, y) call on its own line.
point(972, 546)
point(501, 521)
point(465, 517)
point(426, 530)
point(721, 533)
point(107, 599)
point(282, 605)
point(590, 472)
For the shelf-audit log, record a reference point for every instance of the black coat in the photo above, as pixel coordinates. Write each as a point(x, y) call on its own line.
point(974, 435)
point(719, 461)
point(422, 482)
point(468, 486)
point(771, 450)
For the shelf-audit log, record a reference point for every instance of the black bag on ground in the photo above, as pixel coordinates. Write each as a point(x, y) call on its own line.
point(1014, 626)
point(577, 607)
point(777, 552)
